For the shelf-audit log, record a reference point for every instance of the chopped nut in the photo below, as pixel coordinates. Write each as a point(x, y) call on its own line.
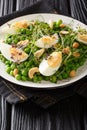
point(15, 72)
point(39, 53)
point(64, 32)
point(23, 43)
point(75, 45)
point(62, 25)
point(66, 50)
point(72, 73)
point(32, 71)
point(76, 54)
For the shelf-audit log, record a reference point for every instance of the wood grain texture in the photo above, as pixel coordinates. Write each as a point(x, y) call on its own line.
point(5, 115)
point(79, 10)
point(74, 8)
point(8, 6)
point(70, 114)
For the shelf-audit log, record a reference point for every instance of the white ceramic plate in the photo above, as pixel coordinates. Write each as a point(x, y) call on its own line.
point(82, 71)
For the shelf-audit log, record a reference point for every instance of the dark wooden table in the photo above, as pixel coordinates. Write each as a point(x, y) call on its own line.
point(74, 8)
point(68, 114)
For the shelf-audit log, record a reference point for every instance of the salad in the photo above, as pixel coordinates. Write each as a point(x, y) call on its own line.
point(36, 50)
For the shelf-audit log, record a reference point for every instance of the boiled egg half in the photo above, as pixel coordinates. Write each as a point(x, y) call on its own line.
point(12, 53)
point(51, 65)
point(82, 38)
point(12, 28)
point(47, 41)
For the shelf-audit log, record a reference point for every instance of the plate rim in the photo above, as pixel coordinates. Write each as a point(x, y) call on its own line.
point(43, 87)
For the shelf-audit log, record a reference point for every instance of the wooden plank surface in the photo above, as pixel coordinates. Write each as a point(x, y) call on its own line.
point(70, 114)
point(5, 114)
point(74, 8)
point(7, 6)
point(79, 10)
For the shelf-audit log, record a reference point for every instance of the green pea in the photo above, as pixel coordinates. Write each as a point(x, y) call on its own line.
point(10, 62)
point(8, 40)
point(27, 50)
point(18, 38)
point(53, 79)
point(7, 62)
point(46, 78)
point(15, 41)
point(58, 23)
point(13, 66)
point(40, 78)
point(70, 65)
point(8, 69)
point(8, 36)
point(11, 73)
point(24, 72)
point(18, 76)
point(35, 79)
point(21, 66)
point(28, 32)
point(7, 66)
point(14, 36)
point(3, 60)
point(25, 63)
point(60, 77)
point(23, 31)
point(22, 38)
point(24, 78)
point(65, 75)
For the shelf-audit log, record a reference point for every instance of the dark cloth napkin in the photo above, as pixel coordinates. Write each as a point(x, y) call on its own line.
point(15, 94)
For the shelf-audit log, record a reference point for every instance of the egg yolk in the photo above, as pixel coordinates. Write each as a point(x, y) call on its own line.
point(21, 24)
point(17, 55)
point(54, 59)
point(48, 40)
point(83, 37)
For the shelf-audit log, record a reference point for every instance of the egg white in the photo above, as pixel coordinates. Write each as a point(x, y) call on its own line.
point(41, 44)
point(8, 30)
point(51, 65)
point(82, 38)
point(45, 69)
point(5, 50)
point(12, 28)
point(51, 23)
